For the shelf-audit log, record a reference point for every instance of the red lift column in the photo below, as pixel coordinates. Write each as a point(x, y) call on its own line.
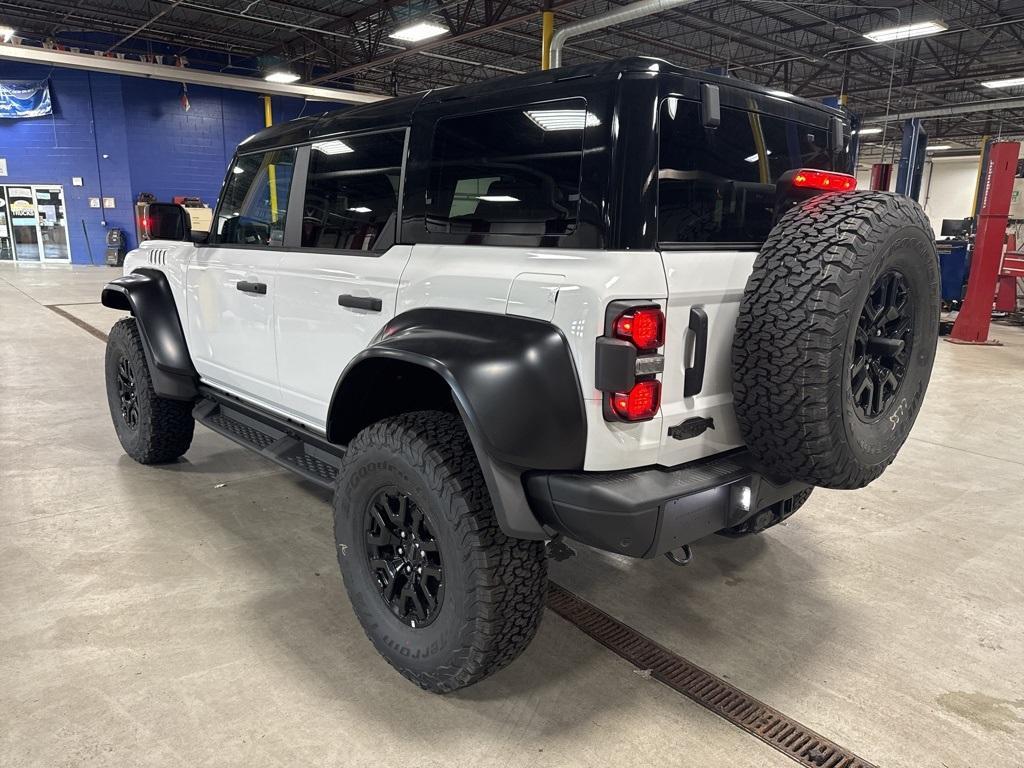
point(971, 326)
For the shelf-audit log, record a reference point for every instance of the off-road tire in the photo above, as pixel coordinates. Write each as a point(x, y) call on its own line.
point(164, 427)
point(768, 518)
point(793, 348)
point(494, 585)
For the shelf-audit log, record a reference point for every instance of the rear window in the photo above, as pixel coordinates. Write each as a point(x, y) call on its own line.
point(509, 172)
point(717, 185)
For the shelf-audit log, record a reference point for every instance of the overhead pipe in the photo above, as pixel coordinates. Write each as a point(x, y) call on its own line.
point(617, 16)
point(954, 109)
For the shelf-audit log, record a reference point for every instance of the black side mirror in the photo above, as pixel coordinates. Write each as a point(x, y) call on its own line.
point(167, 221)
point(199, 237)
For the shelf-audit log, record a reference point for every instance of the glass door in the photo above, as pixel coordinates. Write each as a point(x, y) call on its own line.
point(33, 223)
point(24, 223)
point(53, 223)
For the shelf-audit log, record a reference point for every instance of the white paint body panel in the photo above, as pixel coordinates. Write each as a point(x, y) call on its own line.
point(316, 338)
point(286, 351)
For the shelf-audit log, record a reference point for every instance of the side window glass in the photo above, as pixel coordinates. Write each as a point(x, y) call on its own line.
point(351, 200)
point(718, 185)
point(254, 205)
point(510, 172)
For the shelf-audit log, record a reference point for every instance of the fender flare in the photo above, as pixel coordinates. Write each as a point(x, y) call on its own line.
point(515, 384)
point(147, 295)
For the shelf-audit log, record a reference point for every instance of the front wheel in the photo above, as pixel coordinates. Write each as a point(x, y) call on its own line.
point(444, 595)
point(152, 429)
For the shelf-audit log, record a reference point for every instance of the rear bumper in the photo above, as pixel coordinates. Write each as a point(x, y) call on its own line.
point(647, 512)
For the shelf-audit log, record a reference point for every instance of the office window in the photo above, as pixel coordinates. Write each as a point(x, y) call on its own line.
point(351, 200)
point(510, 172)
point(718, 184)
point(254, 204)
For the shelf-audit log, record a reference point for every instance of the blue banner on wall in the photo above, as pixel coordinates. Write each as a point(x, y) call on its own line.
point(22, 98)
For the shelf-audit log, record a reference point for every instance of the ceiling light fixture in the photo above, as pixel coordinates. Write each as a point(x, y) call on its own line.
point(361, 209)
point(562, 119)
point(6, 33)
point(867, 131)
point(498, 198)
point(238, 169)
point(939, 148)
point(280, 76)
point(906, 31)
point(753, 158)
point(333, 147)
point(1009, 82)
point(423, 30)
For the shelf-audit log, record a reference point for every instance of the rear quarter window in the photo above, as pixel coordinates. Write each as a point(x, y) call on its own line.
point(717, 185)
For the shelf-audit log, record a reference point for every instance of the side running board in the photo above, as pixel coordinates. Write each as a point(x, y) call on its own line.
point(287, 444)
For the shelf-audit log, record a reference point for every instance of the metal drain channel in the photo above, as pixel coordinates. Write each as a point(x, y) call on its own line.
point(796, 741)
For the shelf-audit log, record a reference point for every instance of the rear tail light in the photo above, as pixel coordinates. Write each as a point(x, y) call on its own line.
point(640, 403)
point(645, 327)
point(807, 178)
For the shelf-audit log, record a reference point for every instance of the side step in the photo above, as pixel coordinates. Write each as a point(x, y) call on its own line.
point(287, 444)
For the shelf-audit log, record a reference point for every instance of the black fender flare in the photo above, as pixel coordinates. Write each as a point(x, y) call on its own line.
point(147, 295)
point(514, 383)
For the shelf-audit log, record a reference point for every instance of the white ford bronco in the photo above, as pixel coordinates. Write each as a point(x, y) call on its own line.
point(627, 303)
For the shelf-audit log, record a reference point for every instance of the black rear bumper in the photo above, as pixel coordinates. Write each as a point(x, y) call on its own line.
point(647, 512)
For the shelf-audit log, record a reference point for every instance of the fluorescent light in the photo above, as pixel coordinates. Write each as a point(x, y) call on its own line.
point(753, 158)
point(281, 77)
point(906, 31)
point(1009, 82)
point(939, 148)
point(332, 147)
point(238, 169)
point(867, 131)
point(423, 30)
point(498, 198)
point(6, 33)
point(783, 94)
point(361, 209)
point(562, 119)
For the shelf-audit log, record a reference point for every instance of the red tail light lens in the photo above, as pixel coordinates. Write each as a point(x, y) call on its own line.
point(644, 327)
point(640, 403)
point(824, 180)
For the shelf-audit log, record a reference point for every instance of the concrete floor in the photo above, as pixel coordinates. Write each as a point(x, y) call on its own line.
point(194, 615)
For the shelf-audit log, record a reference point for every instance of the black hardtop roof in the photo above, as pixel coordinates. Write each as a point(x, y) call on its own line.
point(397, 112)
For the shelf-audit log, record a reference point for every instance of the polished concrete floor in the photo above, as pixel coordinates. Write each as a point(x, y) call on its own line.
point(193, 614)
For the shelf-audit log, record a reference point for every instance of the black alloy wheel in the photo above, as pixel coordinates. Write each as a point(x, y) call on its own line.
point(882, 345)
point(404, 557)
point(127, 393)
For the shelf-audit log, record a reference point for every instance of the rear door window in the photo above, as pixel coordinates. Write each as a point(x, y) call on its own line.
point(717, 185)
point(510, 172)
point(351, 200)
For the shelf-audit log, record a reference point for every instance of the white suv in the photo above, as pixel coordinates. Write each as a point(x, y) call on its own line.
point(625, 303)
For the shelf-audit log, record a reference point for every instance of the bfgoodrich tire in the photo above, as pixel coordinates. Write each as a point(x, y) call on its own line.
point(443, 595)
point(152, 429)
point(836, 337)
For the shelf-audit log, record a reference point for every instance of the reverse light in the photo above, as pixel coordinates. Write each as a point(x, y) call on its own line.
point(827, 181)
point(640, 403)
point(644, 327)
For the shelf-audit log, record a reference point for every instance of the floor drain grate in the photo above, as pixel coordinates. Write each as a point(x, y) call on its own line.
point(792, 739)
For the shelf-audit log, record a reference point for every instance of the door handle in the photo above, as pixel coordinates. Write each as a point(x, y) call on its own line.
point(693, 377)
point(246, 287)
point(360, 302)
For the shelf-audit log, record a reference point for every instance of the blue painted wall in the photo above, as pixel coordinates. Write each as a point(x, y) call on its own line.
point(126, 135)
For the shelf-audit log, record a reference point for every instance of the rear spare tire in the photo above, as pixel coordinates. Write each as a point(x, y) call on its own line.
point(836, 337)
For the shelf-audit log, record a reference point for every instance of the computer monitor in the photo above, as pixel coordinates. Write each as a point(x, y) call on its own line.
point(955, 227)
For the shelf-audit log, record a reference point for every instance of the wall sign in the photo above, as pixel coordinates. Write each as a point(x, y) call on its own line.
point(108, 202)
point(24, 98)
point(94, 202)
point(3, 166)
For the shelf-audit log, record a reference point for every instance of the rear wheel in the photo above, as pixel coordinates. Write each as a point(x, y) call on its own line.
point(151, 429)
point(444, 595)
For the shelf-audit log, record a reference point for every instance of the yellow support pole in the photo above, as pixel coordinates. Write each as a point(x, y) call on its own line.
point(547, 30)
point(268, 120)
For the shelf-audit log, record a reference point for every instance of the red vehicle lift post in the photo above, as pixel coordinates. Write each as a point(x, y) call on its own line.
point(972, 324)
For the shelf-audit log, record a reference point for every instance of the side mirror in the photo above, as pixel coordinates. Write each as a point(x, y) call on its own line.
point(167, 221)
point(199, 237)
